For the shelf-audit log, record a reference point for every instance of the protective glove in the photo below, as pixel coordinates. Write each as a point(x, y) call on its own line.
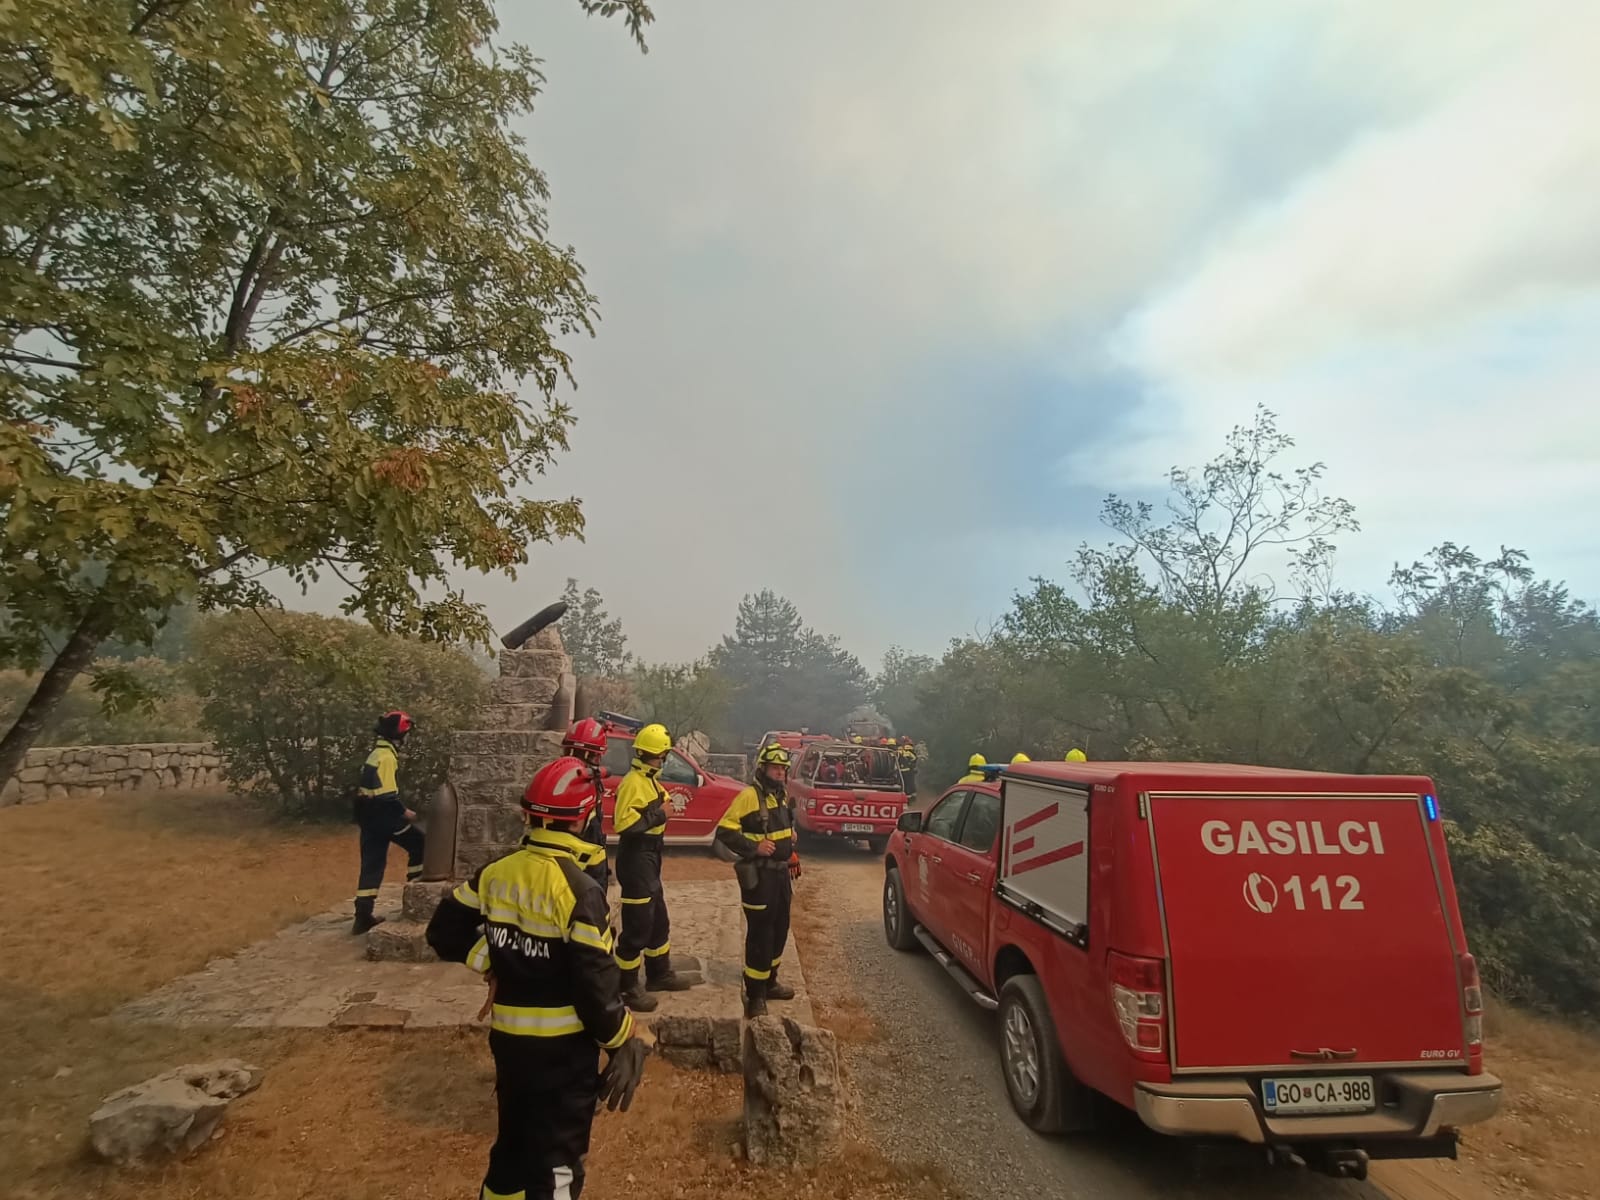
point(794, 866)
point(624, 1070)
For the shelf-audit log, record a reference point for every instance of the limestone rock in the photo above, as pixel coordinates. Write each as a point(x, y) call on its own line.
point(170, 1114)
point(682, 1031)
point(524, 664)
point(420, 898)
point(696, 745)
point(548, 638)
point(400, 941)
point(793, 1098)
point(727, 1034)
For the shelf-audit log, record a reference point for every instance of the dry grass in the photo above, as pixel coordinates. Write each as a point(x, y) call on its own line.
point(108, 899)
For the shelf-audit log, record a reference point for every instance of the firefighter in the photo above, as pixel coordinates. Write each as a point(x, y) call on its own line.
point(586, 742)
point(908, 768)
point(1076, 755)
point(759, 829)
point(535, 924)
point(640, 819)
point(974, 770)
point(382, 818)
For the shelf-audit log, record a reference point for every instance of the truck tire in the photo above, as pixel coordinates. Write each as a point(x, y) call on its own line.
point(1046, 1095)
point(898, 922)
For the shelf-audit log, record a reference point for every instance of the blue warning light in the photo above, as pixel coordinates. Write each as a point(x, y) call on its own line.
point(1432, 805)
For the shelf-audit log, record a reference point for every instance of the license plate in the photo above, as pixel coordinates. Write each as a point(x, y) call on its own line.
point(1318, 1094)
point(854, 828)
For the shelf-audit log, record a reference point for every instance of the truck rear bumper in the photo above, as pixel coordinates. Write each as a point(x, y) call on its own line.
point(1425, 1104)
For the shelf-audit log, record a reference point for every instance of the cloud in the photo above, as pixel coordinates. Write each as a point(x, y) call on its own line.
point(891, 293)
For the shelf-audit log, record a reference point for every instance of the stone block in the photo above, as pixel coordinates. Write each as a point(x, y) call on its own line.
point(470, 859)
point(487, 794)
point(504, 741)
point(682, 1031)
point(793, 1097)
point(400, 941)
point(512, 689)
point(727, 1037)
point(529, 664)
point(143, 759)
point(511, 716)
point(472, 826)
point(32, 774)
point(171, 1114)
point(483, 768)
point(506, 826)
point(687, 1056)
point(420, 898)
point(548, 638)
point(57, 791)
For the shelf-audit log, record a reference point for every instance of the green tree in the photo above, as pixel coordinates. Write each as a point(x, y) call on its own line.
point(784, 674)
point(291, 699)
point(682, 696)
point(593, 636)
point(271, 277)
point(896, 688)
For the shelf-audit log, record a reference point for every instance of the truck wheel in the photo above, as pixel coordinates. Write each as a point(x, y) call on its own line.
point(898, 922)
point(1045, 1094)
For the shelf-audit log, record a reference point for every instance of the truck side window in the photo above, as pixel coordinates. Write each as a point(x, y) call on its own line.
point(619, 756)
point(678, 769)
point(946, 816)
point(982, 823)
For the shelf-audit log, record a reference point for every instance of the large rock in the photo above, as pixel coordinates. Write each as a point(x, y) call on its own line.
point(400, 941)
point(696, 745)
point(793, 1097)
point(171, 1114)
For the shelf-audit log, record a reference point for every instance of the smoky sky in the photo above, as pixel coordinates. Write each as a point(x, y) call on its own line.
point(891, 294)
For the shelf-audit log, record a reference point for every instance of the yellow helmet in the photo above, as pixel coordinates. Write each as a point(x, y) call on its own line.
point(976, 761)
point(652, 740)
point(856, 739)
point(1076, 755)
point(1019, 757)
point(773, 756)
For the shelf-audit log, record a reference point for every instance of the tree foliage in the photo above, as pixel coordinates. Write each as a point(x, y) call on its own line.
point(154, 705)
point(1174, 643)
point(271, 277)
point(291, 699)
point(784, 674)
point(682, 696)
point(592, 635)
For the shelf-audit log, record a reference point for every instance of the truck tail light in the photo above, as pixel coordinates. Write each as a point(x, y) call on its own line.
point(1471, 999)
point(1139, 997)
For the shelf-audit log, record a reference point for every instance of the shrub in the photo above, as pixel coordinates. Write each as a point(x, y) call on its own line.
point(291, 699)
point(168, 712)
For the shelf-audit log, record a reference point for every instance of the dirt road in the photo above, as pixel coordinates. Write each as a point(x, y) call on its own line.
point(926, 1071)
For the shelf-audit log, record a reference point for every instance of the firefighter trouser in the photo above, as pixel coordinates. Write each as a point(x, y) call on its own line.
point(646, 928)
point(546, 1090)
point(908, 782)
point(375, 839)
point(766, 926)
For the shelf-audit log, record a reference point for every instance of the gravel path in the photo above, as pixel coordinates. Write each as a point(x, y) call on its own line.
point(926, 1074)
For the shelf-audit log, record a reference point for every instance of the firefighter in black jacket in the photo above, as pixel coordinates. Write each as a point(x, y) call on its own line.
point(640, 819)
point(758, 829)
point(383, 818)
point(536, 924)
point(586, 741)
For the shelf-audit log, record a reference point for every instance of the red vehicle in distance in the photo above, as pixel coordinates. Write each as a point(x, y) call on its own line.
point(699, 798)
point(1231, 952)
point(843, 790)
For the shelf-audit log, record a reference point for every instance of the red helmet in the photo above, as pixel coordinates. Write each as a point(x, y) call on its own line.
point(563, 790)
point(588, 736)
point(394, 725)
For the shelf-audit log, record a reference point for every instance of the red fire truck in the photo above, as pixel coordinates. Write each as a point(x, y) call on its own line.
point(844, 790)
point(1265, 955)
point(699, 798)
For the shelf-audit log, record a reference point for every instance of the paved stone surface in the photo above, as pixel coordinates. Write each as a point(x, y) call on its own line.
point(317, 975)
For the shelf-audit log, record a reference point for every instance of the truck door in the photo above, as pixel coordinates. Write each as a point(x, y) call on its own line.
point(969, 867)
point(930, 883)
point(692, 816)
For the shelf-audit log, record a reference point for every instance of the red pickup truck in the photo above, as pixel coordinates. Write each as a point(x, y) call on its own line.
point(1231, 952)
point(843, 790)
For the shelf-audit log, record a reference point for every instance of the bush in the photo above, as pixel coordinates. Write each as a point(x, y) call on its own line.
point(170, 712)
point(291, 699)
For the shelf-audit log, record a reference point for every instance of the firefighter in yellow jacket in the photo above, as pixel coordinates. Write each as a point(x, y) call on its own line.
point(535, 923)
point(974, 770)
point(640, 819)
point(758, 833)
point(383, 818)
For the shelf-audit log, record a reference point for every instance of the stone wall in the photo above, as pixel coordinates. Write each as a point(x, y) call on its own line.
point(517, 732)
point(88, 772)
point(737, 765)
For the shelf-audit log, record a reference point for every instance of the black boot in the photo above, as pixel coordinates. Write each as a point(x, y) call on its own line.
point(364, 918)
point(634, 996)
point(663, 978)
point(755, 999)
point(776, 990)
